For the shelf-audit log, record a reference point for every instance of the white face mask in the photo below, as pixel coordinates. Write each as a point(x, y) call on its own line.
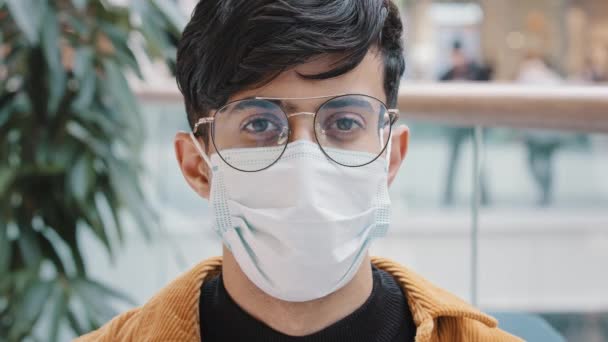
point(300, 229)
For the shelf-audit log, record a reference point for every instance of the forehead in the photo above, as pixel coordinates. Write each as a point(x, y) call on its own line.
point(367, 78)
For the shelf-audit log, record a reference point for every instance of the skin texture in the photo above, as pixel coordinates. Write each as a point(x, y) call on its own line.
point(305, 318)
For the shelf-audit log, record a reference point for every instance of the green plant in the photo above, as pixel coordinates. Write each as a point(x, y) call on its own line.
point(71, 134)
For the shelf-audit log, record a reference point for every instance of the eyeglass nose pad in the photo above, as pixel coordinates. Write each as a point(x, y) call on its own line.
point(321, 133)
point(283, 136)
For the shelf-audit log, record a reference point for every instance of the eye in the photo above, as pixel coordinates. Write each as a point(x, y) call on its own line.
point(345, 123)
point(260, 125)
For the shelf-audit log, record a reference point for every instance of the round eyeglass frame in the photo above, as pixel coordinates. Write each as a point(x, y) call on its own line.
point(393, 117)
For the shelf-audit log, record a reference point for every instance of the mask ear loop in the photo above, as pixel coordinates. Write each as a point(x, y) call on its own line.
point(388, 149)
point(201, 152)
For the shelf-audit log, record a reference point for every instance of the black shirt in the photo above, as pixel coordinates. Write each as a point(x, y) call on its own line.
point(384, 317)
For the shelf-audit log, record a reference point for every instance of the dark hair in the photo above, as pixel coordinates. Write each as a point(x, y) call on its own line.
point(233, 45)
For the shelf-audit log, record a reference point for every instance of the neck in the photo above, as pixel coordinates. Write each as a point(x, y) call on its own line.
point(296, 318)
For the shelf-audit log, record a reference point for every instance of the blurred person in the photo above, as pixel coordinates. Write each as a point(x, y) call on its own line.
point(591, 72)
point(535, 70)
point(291, 109)
point(462, 69)
point(541, 145)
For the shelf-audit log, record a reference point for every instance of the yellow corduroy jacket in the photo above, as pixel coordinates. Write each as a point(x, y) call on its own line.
point(172, 315)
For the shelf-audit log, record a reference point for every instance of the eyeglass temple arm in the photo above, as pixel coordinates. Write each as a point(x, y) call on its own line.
point(394, 115)
point(202, 121)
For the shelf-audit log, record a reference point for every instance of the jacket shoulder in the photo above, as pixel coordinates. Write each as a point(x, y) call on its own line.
point(456, 329)
point(171, 315)
point(440, 315)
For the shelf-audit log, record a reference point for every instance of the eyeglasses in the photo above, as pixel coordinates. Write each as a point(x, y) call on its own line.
point(343, 123)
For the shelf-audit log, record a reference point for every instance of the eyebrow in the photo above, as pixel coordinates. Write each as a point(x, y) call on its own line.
point(348, 102)
point(252, 103)
point(331, 104)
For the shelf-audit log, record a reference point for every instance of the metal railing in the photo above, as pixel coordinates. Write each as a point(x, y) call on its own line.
point(572, 108)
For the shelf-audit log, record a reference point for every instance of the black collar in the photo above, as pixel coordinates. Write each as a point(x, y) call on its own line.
point(385, 316)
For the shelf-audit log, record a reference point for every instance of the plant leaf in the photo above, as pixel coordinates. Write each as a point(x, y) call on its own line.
point(58, 310)
point(71, 241)
point(80, 27)
point(126, 57)
point(86, 94)
point(91, 217)
point(83, 62)
point(5, 247)
point(155, 42)
point(119, 88)
point(27, 15)
point(173, 13)
point(30, 306)
point(50, 251)
point(80, 4)
point(75, 324)
point(29, 247)
point(113, 205)
point(6, 110)
point(95, 302)
point(51, 46)
point(105, 290)
point(131, 197)
point(7, 176)
point(80, 133)
point(80, 178)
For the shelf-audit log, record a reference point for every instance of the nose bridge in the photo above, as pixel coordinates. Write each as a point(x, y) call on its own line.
point(301, 126)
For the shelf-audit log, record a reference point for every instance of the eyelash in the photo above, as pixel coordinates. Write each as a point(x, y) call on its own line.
point(360, 122)
point(252, 119)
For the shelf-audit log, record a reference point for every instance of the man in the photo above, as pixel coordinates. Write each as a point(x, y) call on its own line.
point(542, 145)
point(291, 104)
point(462, 69)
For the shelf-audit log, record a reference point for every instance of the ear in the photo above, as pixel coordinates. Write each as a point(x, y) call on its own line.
point(399, 145)
point(194, 168)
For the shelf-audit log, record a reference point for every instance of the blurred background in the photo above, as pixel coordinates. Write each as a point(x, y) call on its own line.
point(503, 198)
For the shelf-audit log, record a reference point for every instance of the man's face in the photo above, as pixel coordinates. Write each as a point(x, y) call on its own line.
point(367, 78)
